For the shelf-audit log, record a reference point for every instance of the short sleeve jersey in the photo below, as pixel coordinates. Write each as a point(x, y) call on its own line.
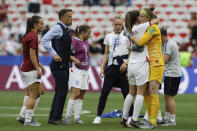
point(138, 31)
point(29, 41)
point(81, 52)
point(120, 47)
point(172, 67)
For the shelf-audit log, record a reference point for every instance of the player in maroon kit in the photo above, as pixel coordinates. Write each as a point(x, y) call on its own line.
point(30, 68)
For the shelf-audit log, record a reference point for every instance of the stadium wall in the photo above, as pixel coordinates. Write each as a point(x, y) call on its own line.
point(10, 77)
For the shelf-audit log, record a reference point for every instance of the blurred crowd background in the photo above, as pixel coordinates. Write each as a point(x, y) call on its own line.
point(179, 16)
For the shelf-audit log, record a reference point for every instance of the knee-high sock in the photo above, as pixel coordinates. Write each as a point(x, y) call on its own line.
point(148, 105)
point(137, 106)
point(127, 105)
point(70, 107)
point(167, 115)
point(78, 108)
point(36, 104)
point(154, 108)
point(23, 109)
point(28, 115)
point(172, 117)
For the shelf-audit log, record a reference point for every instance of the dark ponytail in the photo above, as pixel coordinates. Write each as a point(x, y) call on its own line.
point(152, 9)
point(77, 31)
point(30, 23)
point(131, 18)
point(81, 28)
point(163, 31)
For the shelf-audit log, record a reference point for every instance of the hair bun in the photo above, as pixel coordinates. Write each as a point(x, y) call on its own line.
point(29, 20)
point(152, 8)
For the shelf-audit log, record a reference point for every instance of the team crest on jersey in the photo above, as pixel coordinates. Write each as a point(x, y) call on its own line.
point(152, 30)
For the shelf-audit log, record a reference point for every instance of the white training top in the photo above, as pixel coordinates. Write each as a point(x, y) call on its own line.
point(138, 31)
point(121, 42)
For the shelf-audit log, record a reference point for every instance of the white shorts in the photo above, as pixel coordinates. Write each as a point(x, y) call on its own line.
point(78, 78)
point(138, 73)
point(29, 78)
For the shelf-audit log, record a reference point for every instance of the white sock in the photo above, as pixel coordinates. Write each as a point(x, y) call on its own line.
point(146, 116)
point(78, 108)
point(172, 117)
point(28, 115)
point(167, 115)
point(159, 117)
point(36, 104)
point(70, 107)
point(137, 106)
point(23, 109)
point(127, 105)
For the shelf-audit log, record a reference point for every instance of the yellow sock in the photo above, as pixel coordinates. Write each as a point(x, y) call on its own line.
point(154, 108)
point(148, 109)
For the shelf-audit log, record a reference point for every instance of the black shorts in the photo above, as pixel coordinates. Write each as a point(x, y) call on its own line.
point(171, 85)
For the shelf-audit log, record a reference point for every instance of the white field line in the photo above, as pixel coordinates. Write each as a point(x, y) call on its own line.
point(38, 115)
point(17, 108)
point(84, 112)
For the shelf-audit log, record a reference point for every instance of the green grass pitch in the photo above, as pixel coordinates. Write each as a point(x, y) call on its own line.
point(11, 101)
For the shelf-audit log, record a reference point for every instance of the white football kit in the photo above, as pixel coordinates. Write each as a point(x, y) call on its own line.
point(78, 78)
point(138, 67)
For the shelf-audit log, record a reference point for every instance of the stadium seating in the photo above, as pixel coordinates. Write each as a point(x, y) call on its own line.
point(107, 10)
point(173, 14)
point(171, 33)
point(152, 3)
point(95, 10)
point(98, 33)
point(139, 3)
point(120, 10)
point(176, 4)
